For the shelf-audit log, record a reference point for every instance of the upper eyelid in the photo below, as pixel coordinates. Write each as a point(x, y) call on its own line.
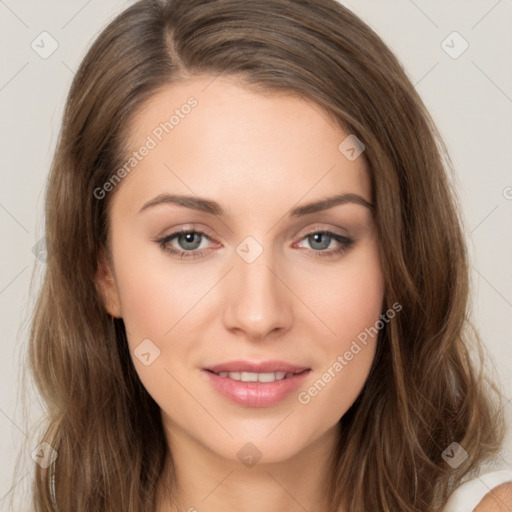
point(313, 230)
point(178, 232)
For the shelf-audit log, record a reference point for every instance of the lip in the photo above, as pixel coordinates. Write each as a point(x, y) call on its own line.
point(257, 367)
point(257, 394)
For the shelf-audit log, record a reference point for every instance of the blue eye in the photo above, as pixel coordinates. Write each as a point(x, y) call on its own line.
point(319, 247)
point(190, 241)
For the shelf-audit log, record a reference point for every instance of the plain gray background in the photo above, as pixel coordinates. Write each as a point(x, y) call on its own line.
point(469, 96)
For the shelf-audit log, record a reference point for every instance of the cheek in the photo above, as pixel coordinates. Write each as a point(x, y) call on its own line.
point(347, 297)
point(351, 307)
point(155, 290)
point(154, 298)
point(147, 306)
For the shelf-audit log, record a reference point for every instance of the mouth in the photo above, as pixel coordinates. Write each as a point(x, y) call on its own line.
point(262, 371)
point(263, 377)
point(256, 384)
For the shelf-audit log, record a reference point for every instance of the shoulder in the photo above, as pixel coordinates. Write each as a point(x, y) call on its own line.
point(487, 492)
point(498, 499)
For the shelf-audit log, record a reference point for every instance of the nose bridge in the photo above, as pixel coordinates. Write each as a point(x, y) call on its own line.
point(258, 302)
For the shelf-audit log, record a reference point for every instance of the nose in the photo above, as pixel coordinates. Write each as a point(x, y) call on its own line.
point(257, 299)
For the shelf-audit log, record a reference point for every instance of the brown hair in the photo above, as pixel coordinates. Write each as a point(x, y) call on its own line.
point(423, 393)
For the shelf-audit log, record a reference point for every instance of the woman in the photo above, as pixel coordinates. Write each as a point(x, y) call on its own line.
point(256, 289)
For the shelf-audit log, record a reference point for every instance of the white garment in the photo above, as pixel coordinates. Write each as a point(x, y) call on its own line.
point(468, 495)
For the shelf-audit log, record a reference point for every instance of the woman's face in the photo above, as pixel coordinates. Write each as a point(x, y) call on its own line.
point(257, 284)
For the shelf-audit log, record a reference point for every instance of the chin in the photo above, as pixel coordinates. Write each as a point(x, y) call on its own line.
point(258, 448)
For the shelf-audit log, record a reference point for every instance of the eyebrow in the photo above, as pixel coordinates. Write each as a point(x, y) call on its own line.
point(213, 208)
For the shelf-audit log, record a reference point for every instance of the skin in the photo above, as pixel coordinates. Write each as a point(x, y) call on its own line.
point(258, 156)
point(498, 499)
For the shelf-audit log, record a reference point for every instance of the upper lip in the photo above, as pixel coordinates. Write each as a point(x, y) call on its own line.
point(257, 367)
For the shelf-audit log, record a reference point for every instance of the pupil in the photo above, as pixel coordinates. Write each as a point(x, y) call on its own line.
point(317, 239)
point(187, 240)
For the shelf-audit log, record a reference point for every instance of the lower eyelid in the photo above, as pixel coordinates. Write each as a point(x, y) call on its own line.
point(344, 242)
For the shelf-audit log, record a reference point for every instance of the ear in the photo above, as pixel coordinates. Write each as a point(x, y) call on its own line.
point(107, 288)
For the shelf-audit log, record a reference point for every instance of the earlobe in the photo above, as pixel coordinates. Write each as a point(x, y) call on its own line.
point(107, 288)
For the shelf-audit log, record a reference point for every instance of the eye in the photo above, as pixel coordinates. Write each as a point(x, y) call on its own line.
point(188, 239)
point(319, 241)
point(189, 242)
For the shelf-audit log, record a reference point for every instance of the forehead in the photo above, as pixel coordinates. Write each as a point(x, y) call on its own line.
point(215, 137)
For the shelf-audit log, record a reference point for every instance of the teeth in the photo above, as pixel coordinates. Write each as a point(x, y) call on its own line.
point(255, 377)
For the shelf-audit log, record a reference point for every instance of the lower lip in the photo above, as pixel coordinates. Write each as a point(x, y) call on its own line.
point(256, 394)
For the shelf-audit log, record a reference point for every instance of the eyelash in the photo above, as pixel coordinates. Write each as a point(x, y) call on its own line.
point(345, 242)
